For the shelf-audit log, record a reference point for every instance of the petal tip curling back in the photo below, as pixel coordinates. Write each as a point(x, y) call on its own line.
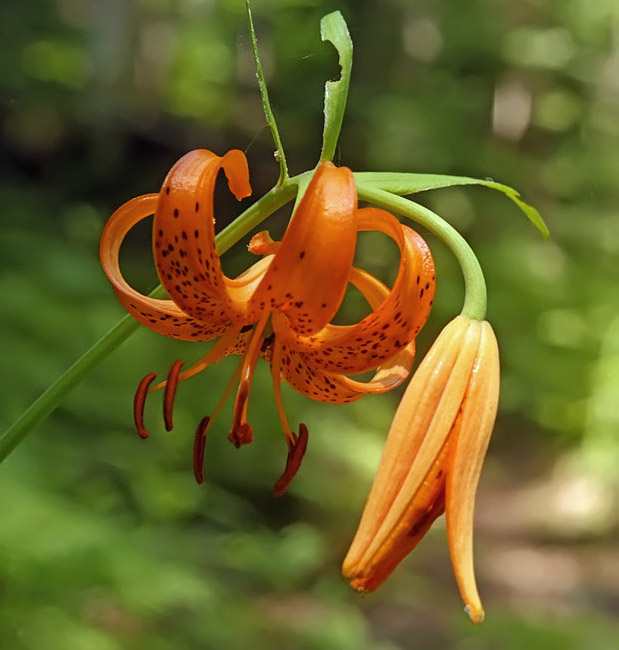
point(236, 169)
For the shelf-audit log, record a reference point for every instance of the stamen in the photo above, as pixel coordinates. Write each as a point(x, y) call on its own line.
point(138, 404)
point(198, 449)
point(241, 432)
point(212, 356)
point(170, 392)
point(293, 461)
point(276, 365)
point(205, 425)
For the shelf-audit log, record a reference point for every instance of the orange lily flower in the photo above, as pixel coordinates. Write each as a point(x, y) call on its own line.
point(281, 307)
point(432, 461)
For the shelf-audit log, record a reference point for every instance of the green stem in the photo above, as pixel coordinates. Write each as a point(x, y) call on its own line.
point(475, 297)
point(266, 104)
point(53, 395)
point(50, 399)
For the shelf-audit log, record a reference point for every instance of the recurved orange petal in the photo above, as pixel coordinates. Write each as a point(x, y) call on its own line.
point(298, 368)
point(323, 386)
point(308, 276)
point(162, 316)
point(184, 233)
point(394, 321)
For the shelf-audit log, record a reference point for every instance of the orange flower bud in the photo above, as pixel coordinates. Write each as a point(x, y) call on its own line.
point(432, 461)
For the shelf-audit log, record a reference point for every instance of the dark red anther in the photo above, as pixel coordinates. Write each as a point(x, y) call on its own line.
point(293, 462)
point(138, 404)
point(241, 435)
point(170, 392)
point(241, 432)
point(198, 449)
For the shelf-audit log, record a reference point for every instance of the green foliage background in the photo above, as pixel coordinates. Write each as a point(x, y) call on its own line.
point(105, 540)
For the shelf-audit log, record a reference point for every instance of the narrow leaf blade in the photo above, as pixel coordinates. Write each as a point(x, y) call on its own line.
point(333, 28)
point(409, 183)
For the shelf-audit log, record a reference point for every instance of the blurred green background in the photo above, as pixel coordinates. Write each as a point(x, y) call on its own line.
point(106, 542)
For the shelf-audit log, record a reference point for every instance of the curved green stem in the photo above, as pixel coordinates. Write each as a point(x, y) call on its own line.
point(54, 394)
point(266, 104)
point(475, 297)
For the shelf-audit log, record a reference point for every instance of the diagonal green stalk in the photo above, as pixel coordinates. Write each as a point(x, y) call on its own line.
point(266, 104)
point(54, 394)
point(475, 298)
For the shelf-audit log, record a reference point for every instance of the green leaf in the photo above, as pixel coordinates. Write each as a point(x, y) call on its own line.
point(405, 183)
point(333, 28)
